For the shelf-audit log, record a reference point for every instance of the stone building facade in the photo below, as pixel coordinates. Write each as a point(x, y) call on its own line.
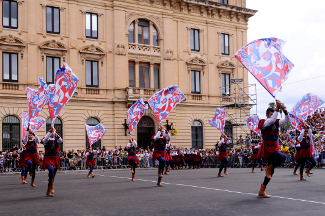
point(122, 50)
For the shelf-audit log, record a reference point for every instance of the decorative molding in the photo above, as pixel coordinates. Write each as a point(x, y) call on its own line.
point(169, 54)
point(13, 44)
point(120, 49)
point(196, 63)
point(92, 52)
point(53, 47)
point(226, 67)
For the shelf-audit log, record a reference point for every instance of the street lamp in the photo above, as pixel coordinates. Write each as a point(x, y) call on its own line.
point(169, 127)
point(126, 126)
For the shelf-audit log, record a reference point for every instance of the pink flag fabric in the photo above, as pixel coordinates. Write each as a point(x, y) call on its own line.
point(35, 123)
point(135, 113)
point(165, 100)
point(95, 133)
point(306, 106)
point(296, 121)
point(219, 119)
point(36, 99)
point(265, 60)
point(252, 124)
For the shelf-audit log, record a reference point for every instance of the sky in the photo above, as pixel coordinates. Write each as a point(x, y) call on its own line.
point(302, 25)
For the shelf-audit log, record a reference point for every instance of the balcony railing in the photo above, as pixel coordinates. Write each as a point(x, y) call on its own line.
point(144, 49)
point(136, 92)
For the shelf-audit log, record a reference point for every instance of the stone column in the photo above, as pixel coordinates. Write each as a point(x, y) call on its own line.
point(151, 75)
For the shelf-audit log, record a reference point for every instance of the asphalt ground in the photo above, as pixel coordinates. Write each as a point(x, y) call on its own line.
point(185, 192)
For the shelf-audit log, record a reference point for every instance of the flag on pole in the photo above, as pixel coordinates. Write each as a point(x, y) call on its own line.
point(306, 106)
point(35, 123)
point(219, 119)
point(252, 124)
point(135, 113)
point(265, 60)
point(36, 99)
point(95, 133)
point(296, 121)
point(165, 100)
point(61, 92)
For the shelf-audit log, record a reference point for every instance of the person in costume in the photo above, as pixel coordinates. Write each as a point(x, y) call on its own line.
point(160, 140)
point(31, 141)
point(255, 149)
point(270, 146)
point(51, 160)
point(197, 159)
point(168, 158)
point(22, 163)
point(132, 155)
point(297, 157)
point(305, 138)
point(223, 155)
point(90, 162)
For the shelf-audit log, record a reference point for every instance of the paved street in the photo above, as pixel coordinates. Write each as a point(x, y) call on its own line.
point(185, 192)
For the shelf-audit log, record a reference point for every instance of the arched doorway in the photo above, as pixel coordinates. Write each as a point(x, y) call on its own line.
point(10, 132)
point(197, 134)
point(145, 131)
point(228, 129)
point(93, 122)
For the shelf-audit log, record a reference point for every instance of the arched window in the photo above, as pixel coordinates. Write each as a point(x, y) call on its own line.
point(197, 134)
point(98, 144)
point(228, 129)
point(58, 127)
point(10, 132)
point(147, 33)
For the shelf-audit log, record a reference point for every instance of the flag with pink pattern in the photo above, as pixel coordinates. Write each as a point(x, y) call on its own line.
point(165, 100)
point(296, 121)
point(62, 90)
point(36, 99)
point(95, 133)
point(306, 106)
point(265, 60)
point(219, 119)
point(35, 123)
point(135, 113)
point(252, 124)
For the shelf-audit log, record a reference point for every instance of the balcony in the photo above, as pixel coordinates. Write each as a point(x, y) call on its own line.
point(144, 49)
point(135, 93)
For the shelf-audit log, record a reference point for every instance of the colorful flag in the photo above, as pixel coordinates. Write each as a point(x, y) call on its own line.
point(95, 133)
point(306, 106)
point(36, 99)
point(265, 60)
point(296, 121)
point(135, 113)
point(61, 92)
point(165, 100)
point(219, 119)
point(252, 124)
point(35, 123)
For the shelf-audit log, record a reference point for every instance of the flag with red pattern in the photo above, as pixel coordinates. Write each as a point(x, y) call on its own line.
point(135, 113)
point(95, 133)
point(34, 124)
point(36, 99)
point(219, 119)
point(252, 124)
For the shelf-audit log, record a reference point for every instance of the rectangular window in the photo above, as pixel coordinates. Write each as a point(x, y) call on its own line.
point(155, 36)
point(91, 25)
point(195, 82)
point(53, 20)
point(195, 39)
point(144, 75)
point(10, 67)
point(9, 14)
point(131, 33)
point(224, 44)
point(226, 84)
point(92, 73)
point(52, 65)
point(131, 74)
point(143, 32)
point(156, 76)
point(224, 1)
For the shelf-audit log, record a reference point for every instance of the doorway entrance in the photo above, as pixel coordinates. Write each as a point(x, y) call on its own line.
point(145, 131)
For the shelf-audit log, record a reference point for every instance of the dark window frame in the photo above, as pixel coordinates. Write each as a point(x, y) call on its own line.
point(52, 14)
point(157, 66)
point(225, 82)
point(196, 131)
point(196, 91)
point(224, 1)
point(144, 65)
point(133, 23)
point(224, 44)
point(195, 50)
point(10, 72)
point(53, 70)
point(12, 141)
point(10, 1)
point(131, 63)
point(148, 26)
point(58, 127)
point(91, 25)
point(92, 74)
point(99, 142)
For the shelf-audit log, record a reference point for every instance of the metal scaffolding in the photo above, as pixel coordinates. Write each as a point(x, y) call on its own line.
point(238, 96)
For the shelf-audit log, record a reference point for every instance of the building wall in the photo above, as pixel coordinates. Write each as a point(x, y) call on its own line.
point(110, 101)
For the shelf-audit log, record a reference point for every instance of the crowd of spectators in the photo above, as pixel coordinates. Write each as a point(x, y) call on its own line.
point(239, 152)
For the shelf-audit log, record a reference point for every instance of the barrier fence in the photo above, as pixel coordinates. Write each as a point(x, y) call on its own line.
point(79, 163)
